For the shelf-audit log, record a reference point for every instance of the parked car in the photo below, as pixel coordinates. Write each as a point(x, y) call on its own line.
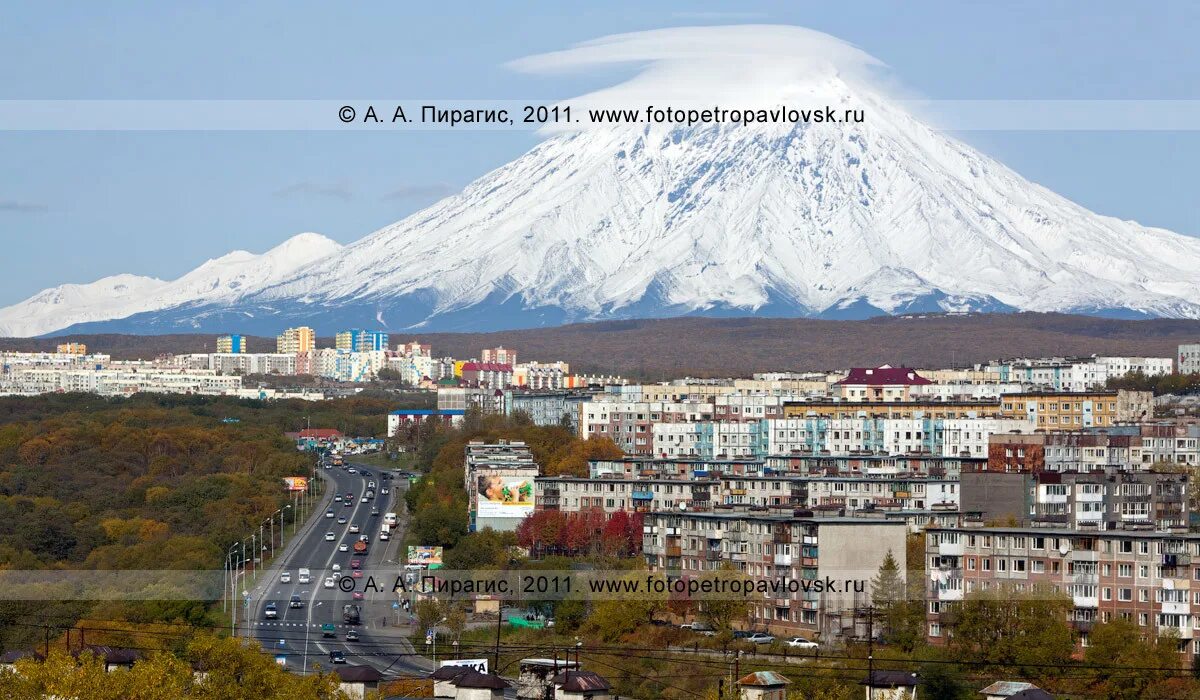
point(760, 638)
point(801, 643)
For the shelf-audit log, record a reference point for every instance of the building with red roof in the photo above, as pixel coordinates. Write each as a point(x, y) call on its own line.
point(883, 383)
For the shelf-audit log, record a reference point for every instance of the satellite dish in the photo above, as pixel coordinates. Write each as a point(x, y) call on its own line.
point(1064, 547)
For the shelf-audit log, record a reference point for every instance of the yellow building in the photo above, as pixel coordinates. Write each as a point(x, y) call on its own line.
point(1058, 410)
point(296, 340)
point(72, 349)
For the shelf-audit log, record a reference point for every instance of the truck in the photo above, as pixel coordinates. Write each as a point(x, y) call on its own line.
point(351, 614)
point(304, 576)
point(360, 547)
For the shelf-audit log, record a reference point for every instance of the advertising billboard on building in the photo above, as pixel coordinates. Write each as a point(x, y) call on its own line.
point(295, 483)
point(424, 555)
point(504, 496)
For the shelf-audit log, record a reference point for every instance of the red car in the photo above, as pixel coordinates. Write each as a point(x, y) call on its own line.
point(357, 573)
point(355, 564)
point(357, 595)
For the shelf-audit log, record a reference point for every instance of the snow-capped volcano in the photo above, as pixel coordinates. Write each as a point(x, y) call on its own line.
point(847, 219)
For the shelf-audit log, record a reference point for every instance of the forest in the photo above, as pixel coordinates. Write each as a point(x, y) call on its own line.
point(146, 482)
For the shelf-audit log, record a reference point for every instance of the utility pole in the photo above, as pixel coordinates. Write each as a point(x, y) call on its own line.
point(870, 643)
point(496, 653)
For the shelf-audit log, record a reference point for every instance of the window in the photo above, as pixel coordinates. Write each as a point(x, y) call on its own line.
point(1125, 594)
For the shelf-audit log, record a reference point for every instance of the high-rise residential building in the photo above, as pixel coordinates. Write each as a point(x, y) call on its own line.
point(1189, 358)
point(72, 349)
point(296, 340)
point(356, 340)
point(499, 355)
point(231, 344)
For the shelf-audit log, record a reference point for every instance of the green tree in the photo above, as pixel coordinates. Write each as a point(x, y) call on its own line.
point(1127, 664)
point(1023, 632)
point(901, 608)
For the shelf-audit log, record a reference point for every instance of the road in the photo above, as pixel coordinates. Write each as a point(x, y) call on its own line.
point(296, 634)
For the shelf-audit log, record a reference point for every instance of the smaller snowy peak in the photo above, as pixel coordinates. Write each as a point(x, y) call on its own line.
point(224, 279)
point(76, 302)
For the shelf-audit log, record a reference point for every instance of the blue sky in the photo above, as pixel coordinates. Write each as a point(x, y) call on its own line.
point(75, 206)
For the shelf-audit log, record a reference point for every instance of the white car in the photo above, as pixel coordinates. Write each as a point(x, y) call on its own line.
point(383, 491)
point(285, 577)
point(353, 529)
point(337, 498)
point(330, 582)
point(343, 547)
point(336, 567)
point(329, 537)
point(351, 470)
point(384, 535)
point(329, 514)
point(364, 499)
point(801, 643)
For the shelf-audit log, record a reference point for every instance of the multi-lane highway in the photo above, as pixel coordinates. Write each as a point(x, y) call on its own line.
point(296, 633)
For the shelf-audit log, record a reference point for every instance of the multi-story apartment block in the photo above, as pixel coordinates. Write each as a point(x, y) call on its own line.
point(629, 423)
point(465, 398)
point(500, 482)
point(918, 434)
point(1188, 358)
point(500, 355)
point(296, 340)
point(491, 375)
point(738, 407)
point(1078, 451)
point(542, 376)
point(1076, 374)
point(357, 340)
point(677, 468)
point(874, 465)
point(72, 349)
point(892, 409)
point(252, 363)
point(885, 383)
point(784, 548)
point(1103, 500)
point(1076, 410)
point(229, 344)
point(1145, 577)
point(1164, 442)
point(573, 494)
point(548, 408)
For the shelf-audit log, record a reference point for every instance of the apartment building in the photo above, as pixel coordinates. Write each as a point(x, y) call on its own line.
point(358, 340)
point(885, 383)
point(1189, 358)
point(1076, 374)
point(499, 355)
point(489, 375)
point(917, 434)
point(665, 468)
point(1077, 451)
point(574, 494)
point(296, 340)
point(542, 376)
point(252, 363)
point(228, 344)
point(874, 464)
point(780, 547)
point(500, 481)
point(548, 408)
point(1145, 577)
point(1100, 500)
point(1058, 410)
point(72, 349)
point(893, 409)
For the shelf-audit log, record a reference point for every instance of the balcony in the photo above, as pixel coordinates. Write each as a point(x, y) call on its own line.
point(1086, 601)
point(950, 549)
point(643, 495)
point(783, 560)
point(674, 550)
point(713, 555)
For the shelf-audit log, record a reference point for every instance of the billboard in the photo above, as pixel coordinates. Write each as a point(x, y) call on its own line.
point(504, 496)
point(295, 483)
point(424, 555)
point(480, 665)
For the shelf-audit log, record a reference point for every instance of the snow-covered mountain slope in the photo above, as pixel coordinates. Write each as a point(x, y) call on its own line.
point(222, 280)
point(841, 220)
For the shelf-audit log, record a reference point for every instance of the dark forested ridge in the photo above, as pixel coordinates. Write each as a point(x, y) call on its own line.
point(660, 348)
